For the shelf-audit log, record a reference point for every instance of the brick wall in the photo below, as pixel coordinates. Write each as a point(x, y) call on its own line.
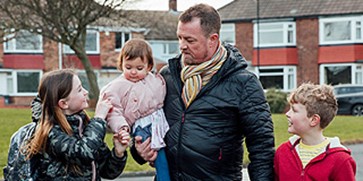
point(307, 37)
point(108, 55)
point(1, 54)
point(50, 54)
point(244, 39)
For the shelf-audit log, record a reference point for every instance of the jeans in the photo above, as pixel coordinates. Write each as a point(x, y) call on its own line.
point(161, 164)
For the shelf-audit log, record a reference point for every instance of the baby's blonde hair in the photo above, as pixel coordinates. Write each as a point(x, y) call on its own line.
point(318, 99)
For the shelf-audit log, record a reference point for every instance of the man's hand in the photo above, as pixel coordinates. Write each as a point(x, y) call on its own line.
point(144, 149)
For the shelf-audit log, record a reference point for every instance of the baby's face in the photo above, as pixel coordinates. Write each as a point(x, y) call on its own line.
point(135, 69)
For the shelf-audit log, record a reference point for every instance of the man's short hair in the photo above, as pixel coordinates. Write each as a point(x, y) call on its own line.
point(210, 20)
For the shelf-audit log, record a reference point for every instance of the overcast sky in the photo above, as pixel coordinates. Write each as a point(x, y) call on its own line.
point(164, 4)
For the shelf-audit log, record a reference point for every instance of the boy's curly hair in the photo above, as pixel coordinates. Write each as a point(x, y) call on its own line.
point(318, 99)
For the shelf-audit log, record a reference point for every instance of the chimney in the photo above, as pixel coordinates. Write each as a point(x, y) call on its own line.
point(172, 5)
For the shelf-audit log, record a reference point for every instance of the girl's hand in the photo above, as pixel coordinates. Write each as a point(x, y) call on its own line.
point(121, 142)
point(103, 107)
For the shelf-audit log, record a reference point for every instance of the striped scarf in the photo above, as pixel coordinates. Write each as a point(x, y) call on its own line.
point(195, 77)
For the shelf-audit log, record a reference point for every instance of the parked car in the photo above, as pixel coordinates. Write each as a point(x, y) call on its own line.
point(350, 99)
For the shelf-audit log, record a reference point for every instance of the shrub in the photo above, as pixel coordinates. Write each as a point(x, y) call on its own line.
point(277, 100)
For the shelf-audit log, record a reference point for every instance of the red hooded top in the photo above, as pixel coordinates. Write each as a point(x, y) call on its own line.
point(335, 163)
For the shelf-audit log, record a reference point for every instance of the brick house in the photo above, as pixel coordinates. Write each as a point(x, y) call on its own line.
point(24, 59)
point(320, 41)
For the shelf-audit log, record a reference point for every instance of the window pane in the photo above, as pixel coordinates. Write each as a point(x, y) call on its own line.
point(121, 38)
point(91, 41)
point(27, 82)
point(358, 32)
point(271, 70)
point(271, 37)
point(290, 36)
point(338, 75)
point(227, 33)
point(290, 81)
point(271, 26)
point(173, 48)
point(227, 37)
point(165, 48)
point(9, 45)
point(335, 31)
point(272, 82)
point(118, 40)
point(127, 37)
point(27, 41)
point(359, 75)
point(10, 83)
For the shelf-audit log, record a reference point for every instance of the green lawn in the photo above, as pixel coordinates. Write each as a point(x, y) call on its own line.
point(348, 128)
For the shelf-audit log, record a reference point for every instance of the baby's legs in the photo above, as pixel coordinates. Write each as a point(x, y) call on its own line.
point(161, 164)
point(144, 132)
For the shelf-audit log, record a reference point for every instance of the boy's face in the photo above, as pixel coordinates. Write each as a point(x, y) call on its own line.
point(299, 123)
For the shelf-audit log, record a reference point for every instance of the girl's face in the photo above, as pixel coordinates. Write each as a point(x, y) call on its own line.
point(77, 99)
point(299, 123)
point(135, 69)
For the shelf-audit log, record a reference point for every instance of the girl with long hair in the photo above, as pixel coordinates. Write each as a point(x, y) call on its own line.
point(67, 144)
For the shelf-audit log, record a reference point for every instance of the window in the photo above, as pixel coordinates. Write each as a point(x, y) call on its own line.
point(164, 50)
point(92, 43)
point(170, 48)
point(283, 78)
point(120, 39)
point(24, 41)
point(340, 30)
point(274, 34)
point(24, 82)
point(341, 74)
point(227, 33)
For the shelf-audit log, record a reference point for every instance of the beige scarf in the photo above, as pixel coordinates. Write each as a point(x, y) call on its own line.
point(195, 77)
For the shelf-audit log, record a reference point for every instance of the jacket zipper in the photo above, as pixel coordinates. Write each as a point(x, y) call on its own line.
point(179, 146)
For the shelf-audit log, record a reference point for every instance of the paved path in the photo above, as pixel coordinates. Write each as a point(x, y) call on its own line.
point(357, 153)
point(150, 178)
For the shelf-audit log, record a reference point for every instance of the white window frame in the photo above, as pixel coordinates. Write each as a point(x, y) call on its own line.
point(158, 47)
point(166, 48)
point(68, 50)
point(355, 25)
point(356, 72)
point(14, 78)
point(12, 43)
point(287, 26)
point(228, 28)
point(287, 72)
point(123, 39)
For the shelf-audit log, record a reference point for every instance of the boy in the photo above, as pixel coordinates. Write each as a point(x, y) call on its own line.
point(309, 155)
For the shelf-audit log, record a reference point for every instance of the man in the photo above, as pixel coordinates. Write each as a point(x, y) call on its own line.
point(212, 104)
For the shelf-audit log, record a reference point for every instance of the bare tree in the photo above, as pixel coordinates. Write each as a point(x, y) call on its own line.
point(63, 21)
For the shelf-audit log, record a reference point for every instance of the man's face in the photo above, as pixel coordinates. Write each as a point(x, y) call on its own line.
point(193, 43)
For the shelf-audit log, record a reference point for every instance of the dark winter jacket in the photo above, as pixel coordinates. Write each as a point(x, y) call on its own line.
point(58, 164)
point(205, 140)
point(70, 157)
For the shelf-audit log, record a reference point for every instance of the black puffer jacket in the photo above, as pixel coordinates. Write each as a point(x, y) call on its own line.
point(205, 140)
